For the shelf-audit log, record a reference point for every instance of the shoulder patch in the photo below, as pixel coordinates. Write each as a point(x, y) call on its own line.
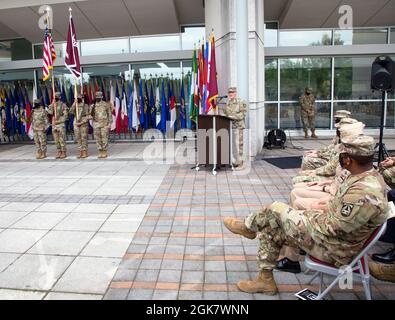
point(346, 210)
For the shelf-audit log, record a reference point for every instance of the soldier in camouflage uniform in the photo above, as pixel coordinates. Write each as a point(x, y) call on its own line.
point(334, 235)
point(347, 127)
point(387, 169)
point(40, 123)
point(101, 113)
point(236, 109)
point(59, 125)
point(81, 113)
point(307, 105)
point(318, 158)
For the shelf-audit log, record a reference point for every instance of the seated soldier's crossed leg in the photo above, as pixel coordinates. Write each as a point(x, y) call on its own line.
point(279, 225)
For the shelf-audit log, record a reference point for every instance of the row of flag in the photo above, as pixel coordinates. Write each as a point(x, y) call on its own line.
point(138, 105)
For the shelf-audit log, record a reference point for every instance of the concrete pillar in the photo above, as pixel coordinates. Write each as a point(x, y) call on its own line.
point(222, 16)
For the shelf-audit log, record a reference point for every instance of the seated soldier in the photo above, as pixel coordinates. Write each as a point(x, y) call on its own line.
point(315, 159)
point(335, 235)
point(329, 170)
point(387, 169)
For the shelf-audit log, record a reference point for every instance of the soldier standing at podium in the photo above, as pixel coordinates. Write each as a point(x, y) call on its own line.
point(236, 109)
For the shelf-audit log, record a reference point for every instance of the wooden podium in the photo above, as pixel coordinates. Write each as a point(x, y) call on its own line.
point(214, 141)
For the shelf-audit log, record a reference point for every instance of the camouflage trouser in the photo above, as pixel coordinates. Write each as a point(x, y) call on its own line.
point(238, 142)
point(59, 134)
point(279, 225)
point(101, 136)
point(305, 178)
point(389, 176)
point(40, 140)
point(308, 121)
point(81, 135)
point(311, 163)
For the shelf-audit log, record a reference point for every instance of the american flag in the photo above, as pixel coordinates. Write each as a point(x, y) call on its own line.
point(49, 54)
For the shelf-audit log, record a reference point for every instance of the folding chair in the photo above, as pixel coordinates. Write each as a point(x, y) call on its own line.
point(359, 267)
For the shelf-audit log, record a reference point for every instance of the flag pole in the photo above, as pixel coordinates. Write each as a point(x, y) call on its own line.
point(52, 73)
point(76, 79)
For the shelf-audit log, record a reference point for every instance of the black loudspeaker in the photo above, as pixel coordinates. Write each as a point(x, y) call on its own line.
point(383, 74)
point(276, 138)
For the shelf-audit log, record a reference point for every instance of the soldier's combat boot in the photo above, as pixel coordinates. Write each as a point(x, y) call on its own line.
point(38, 155)
point(84, 154)
point(383, 272)
point(100, 154)
point(306, 134)
point(238, 227)
point(44, 155)
point(80, 156)
point(264, 283)
point(59, 154)
point(105, 154)
point(313, 135)
point(63, 155)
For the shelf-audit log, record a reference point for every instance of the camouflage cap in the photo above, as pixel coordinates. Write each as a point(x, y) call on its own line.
point(353, 129)
point(232, 89)
point(342, 114)
point(99, 94)
point(79, 96)
point(345, 121)
point(308, 89)
point(57, 94)
point(357, 145)
point(37, 101)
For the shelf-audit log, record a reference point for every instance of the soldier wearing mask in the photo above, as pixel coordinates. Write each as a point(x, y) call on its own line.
point(40, 123)
point(80, 110)
point(101, 113)
point(236, 109)
point(307, 105)
point(59, 112)
point(334, 235)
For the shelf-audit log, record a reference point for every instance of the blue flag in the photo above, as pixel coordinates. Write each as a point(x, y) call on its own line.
point(15, 110)
point(142, 112)
point(47, 101)
point(8, 103)
point(152, 106)
point(163, 120)
point(21, 110)
point(183, 111)
point(147, 108)
point(130, 107)
point(70, 120)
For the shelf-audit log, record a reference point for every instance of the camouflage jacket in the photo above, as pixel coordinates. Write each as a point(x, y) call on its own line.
point(307, 104)
point(329, 170)
point(326, 152)
point(237, 110)
point(39, 119)
point(62, 112)
point(83, 113)
point(101, 114)
point(389, 176)
point(358, 208)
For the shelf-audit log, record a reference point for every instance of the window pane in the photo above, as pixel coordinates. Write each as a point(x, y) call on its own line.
point(360, 36)
point(191, 36)
point(298, 73)
point(305, 38)
point(99, 47)
point(390, 114)
point(5, 51)
point(392, 35)
point(271, 34)
point(353, 78)
point(367, 112)
point(14, 50)
point(271, 116)
point(158, 69)
point(271, 79)
point(152, 44)
point(38, 51)
point(291, 117)
point(60, 49)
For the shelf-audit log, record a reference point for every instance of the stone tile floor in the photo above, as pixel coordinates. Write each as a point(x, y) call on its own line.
point(128, 229)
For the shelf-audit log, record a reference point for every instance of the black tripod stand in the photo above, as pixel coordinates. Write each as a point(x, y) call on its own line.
point(382, 149)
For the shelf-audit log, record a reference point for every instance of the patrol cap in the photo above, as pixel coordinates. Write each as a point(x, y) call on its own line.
point(37, 101)
point(308, 89)
point(99, 94)
point(57, 94)
point(232, 89)
point(360, 145)
point(353, 129)
point(79, 96)
point(342, 114)
point(345, 121)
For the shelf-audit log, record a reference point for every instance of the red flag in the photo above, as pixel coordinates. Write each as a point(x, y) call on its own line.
point(212, 79)
point(72, 60)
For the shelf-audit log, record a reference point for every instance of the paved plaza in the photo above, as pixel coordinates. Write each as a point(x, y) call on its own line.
point(125, 228)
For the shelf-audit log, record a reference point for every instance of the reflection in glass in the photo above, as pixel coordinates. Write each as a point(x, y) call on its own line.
point(360, 36)
point(190, 36)
point(390, 115)
point(99, 47)
point(152, 44)
point(392, 35)
point(159, 69)
point(271, 34)
point(271, 116)
point(298, 73)
point(353, 78)
point(305, 38)
point(367, 112)
point(18, 78)
point(271, 79)
point(5, 51)
point(17, 49)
